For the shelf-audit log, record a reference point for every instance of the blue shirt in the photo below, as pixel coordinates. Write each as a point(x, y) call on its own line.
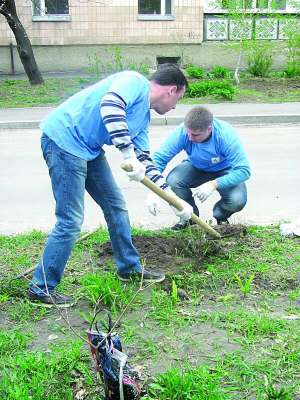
point(77, 126)
point(222, 151)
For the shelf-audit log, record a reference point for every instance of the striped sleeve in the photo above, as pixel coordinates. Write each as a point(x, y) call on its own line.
point(151, 171)
point(112, 110)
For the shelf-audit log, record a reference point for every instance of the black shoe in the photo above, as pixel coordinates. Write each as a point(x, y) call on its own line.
point(54, 299)
point(182, 225)
point(226, 222)
point(148, 276)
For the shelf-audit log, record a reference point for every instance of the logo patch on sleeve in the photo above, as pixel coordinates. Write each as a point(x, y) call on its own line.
point(215, 160)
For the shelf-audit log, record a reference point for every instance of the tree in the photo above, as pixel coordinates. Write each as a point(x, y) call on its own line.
point(248, 40)
point(8, 9)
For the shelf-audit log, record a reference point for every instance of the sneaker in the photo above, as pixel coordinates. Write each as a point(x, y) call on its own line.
point(148, 276)
point(182, 225)
point(55, 299)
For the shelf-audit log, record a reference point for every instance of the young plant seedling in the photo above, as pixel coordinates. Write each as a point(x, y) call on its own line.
point(245, 286)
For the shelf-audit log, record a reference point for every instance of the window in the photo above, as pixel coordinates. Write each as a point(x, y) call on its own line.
point(50, 7)
point(155, 7)
point(240, 4)
point(251, 5)
point(271, 4)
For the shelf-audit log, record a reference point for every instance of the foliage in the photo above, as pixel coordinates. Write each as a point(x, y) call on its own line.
point(174, 293)
point(263, 330)
point(194, 384)
point(107, 288)
point(292, 68)
point(193, 71)
point(19, 93)
point(114, 61)
point(219, 72)
point(26, 375)
point(222, 89)
point(245, 286)
point(259, 57)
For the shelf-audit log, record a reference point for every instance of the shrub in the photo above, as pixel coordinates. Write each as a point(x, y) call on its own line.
point(193, 71)
point(223, 89)
point(113, 61)
point(259, 58)
point(220, 72)
point(292, 68)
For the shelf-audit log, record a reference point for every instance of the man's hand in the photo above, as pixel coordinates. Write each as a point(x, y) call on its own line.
point(153, 203)
point(203, 192)
point(138, 170)
point(187, 211)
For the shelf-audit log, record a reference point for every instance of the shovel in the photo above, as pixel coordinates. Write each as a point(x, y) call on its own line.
point(175, 202)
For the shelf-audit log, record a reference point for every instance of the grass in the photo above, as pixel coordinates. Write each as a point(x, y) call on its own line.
point(234, 339)
point(19, 93)
point(26, 375)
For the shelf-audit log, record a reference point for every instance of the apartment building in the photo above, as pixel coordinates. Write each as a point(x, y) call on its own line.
point(64, 33)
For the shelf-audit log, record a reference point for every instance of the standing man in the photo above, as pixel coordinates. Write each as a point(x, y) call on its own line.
point(215, 160)
point(114, 111)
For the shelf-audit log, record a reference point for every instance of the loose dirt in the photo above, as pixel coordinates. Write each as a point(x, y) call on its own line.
point(170, 253)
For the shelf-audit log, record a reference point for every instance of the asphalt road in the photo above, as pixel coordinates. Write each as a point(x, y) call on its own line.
point(273, 191)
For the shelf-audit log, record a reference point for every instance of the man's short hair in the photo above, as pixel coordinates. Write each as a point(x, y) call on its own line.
point(169, 74)
point(199, 118)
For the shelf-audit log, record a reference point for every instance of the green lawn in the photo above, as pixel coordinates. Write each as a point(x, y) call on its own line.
point(19, 93)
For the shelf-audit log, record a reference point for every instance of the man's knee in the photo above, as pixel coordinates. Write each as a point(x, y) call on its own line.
point(68, 229)
point(172, 179)
point(236, 203)
point(176, 180)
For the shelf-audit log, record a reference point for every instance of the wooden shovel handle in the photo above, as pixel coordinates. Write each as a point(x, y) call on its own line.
point(173, 201)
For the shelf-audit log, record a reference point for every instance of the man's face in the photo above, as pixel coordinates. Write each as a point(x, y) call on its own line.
point(199, 135)
point(168, 100)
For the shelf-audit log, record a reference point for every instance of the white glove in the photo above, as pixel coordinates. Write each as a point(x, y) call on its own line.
point(138, 169)
point(203, 192)
point(187, 211)
point(153, 203)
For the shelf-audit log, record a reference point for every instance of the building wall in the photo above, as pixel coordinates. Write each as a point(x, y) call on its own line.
point(85, 57)
point(109, 22)
point(97, 27)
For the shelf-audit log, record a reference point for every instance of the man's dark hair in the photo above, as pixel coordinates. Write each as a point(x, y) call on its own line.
point(198, 118)
point(169, 74)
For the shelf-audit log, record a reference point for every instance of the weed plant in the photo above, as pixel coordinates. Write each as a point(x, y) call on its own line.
point(259, 57)
point(108, 290)
point(193, 71)
point(114, 61)
point(220, 89)
point(292, 68)
point(220, 72)
point(193, 383)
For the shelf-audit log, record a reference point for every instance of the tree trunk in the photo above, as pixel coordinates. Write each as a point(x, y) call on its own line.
point(8, 9)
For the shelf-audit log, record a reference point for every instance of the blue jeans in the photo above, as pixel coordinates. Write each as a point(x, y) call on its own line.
point(70, 176)
point(185, 176)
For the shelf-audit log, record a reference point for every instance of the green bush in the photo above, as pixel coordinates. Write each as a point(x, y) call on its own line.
point(259, 58)
point(292, 68)
point(220, 72)
point(193, 71)
point(223, 89)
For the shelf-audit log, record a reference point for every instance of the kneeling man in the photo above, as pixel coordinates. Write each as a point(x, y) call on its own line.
point(215, 160)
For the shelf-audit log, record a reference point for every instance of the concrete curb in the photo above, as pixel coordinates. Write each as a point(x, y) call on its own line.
point(237, 119)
